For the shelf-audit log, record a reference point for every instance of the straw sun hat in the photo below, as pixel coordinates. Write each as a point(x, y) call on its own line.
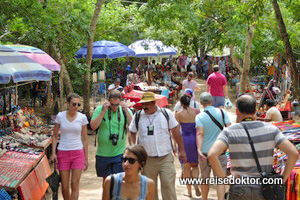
point(147, 97)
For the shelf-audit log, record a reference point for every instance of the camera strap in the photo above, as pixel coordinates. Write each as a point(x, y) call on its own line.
point(109, 119)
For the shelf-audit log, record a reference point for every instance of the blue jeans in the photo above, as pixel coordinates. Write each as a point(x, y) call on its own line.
point(205, 74)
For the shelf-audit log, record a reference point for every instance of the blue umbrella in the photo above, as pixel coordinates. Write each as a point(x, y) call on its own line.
point(106, 49)
point(17, 67)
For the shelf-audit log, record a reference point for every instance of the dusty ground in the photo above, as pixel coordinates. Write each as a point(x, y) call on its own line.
point(90, 184)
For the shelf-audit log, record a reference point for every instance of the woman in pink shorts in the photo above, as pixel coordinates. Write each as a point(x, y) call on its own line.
point(72, 151)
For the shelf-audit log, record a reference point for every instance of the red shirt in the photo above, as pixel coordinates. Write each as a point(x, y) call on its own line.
point(216, 81)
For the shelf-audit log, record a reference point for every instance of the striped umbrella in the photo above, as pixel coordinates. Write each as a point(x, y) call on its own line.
point(19, 68)
point(37, 55)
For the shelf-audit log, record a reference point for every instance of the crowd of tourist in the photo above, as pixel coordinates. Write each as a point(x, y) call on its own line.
point(197, 139)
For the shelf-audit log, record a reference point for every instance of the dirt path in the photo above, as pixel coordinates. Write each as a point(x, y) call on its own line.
point(91, 185)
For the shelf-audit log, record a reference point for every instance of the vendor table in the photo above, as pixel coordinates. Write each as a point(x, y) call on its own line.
point(136, 95)
point(18, 170)
point(47, 148)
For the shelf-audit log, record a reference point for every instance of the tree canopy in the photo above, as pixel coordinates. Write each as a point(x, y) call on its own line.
point(195, 26)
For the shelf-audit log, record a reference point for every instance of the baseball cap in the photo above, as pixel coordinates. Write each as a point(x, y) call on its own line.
point(118, 80)
point(206, 97)
point(188, 91)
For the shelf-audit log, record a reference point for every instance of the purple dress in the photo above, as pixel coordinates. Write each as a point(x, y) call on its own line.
point(188, 132)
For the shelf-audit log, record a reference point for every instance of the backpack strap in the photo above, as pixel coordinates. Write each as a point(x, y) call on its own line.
point(137, 119)
point(165, 113)
point(214, 119)
point(125, 120)
point(95, 144)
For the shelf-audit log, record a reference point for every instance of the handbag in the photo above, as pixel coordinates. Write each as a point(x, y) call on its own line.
point(269, 191)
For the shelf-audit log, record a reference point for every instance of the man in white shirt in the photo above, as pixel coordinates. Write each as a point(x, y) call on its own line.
point(193, 103)
point(153, 124)
point(273, 114)
point(116, 86)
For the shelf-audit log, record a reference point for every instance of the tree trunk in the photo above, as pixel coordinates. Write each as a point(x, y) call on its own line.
point(48, 101)
point(67, 81)
point(234, 59)
point(247, 58)
point(288, 49)
point(62, 61)
point(86, 85)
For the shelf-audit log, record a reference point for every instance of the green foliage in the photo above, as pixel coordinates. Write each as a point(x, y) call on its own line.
point(191, 25)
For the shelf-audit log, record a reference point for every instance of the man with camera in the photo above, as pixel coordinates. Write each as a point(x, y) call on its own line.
point(110, 119)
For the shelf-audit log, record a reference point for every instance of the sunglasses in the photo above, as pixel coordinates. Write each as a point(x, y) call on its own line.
point(130, 160)
point(114, 105)
point(78, 104)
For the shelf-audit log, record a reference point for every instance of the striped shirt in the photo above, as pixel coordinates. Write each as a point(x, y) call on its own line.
point(265, 137)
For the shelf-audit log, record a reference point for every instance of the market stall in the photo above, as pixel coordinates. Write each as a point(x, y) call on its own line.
point(291, 130)
point(24, 143)
point(25, 139)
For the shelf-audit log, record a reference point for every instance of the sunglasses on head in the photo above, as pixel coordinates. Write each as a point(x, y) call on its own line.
point(114, 105)
point(74, 104)
point(130, 160)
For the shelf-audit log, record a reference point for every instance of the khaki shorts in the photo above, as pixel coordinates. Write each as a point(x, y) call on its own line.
point(206, 168)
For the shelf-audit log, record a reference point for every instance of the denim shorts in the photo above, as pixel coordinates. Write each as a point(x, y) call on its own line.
point(106, 166)
point(218, 101)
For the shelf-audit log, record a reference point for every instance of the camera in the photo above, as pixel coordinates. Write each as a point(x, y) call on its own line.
point(114, 137)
